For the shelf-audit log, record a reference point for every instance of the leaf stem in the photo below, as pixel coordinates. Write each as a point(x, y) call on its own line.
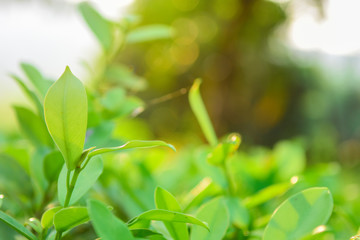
point(231, 186)
point(58, 235)
point(71, 187)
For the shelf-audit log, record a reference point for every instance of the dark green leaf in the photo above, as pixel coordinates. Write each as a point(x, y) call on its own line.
point(66, 116)
point(11, 222)
point(300, 214)
point(53, 163)
point(106, 225)
point(143, 233)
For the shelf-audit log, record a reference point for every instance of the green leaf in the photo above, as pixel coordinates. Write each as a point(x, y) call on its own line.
point(11, 222)
point(53, 163)
point(33, 127)
point(69, 218)
point(30, 94)
point(85, 181)
point(131, 145)
point(239, 215)
point(47, 219)
point(106, 225)
point(164, 200)
point(215, 213)
point(167, 216)
point(266, 194)
point(198, 107)
point(149, 33)
point(300, 214)
point(101, 27)
point(143, 232)
point(224, 150)
point(66, 116)
point(125, 77)
point(40, 83)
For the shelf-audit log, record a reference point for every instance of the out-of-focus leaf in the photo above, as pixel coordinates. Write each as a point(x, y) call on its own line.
point(40, 83)
point(198, 107)
point(113, 99)
point(131, 145)
point(11, 222)
point(53, 163)
point(125, 77)
point(33, 127)
point(100, 135)
point(85, 181)
point(149, 33)
point(106, 225)
point(47, 219)
point(266, 194)
point(69, 218)
point(143, 233)
point(300, 214)
point(215, 213)
point(164, 200)
point(289, 159)
point(167, 216)
point(101, 27)
point(239, 215)
point(66, 116)
point(224, 150)
point(204, 189)
point(30, 94)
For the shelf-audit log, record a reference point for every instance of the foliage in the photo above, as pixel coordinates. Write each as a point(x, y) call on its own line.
point(72, 173)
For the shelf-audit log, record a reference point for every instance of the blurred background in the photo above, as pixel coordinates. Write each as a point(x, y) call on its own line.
point(271, 70)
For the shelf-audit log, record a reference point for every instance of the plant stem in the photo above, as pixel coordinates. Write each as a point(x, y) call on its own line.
point(58, 235)
point(228, 179)
point(70, 188)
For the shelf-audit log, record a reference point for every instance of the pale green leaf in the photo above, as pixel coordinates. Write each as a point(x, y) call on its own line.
point(70, 217)
point(215, 213)
point(106, 225)
point(85, 181)
point(198, 107)
point(11, 222)
point(239, 215)
point(47, 219)
point(164, 200)
point(167, 216)
point(149, 33)
point(66, 116)
point(40, 83)
point(300, 214)
point(131, 145)
point(101, 27)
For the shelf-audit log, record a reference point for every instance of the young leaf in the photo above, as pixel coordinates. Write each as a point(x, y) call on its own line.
point(164, 200)
point(66, 116)
point(100, 26)
point(11, 222)
point(40, 83)
point(300, 214)
point(167, 216)
point(33, 127)
point(47, 219)
point(85, 181)
point(106, 225)
point(216, 214)
point(149, 33)
point(131, 145)
point(224, 150)
point(198, 107)
point(68, 218)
